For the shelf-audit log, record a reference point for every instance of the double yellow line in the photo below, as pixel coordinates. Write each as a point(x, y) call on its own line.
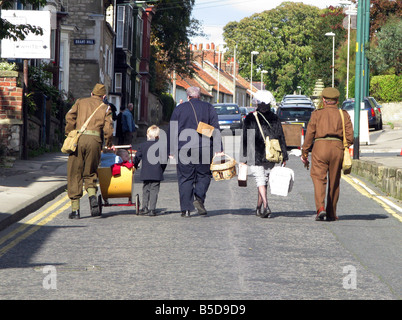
point(388, 206)
point(33, 225)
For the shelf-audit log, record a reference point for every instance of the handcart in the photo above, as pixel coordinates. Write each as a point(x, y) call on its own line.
point(118, 186)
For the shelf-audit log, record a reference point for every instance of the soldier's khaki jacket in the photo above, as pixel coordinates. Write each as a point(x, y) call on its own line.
point(101, 121)
point(327, 122)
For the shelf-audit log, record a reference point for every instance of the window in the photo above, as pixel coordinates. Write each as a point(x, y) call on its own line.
point(124, 27)
point(118, 82)
point(139, 36)
point(120, 26)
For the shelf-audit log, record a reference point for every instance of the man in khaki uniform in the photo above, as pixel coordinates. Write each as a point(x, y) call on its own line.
point(325, 130)
point(82, 164)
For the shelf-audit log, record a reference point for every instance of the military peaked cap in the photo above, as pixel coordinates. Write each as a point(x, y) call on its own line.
point(330, 93)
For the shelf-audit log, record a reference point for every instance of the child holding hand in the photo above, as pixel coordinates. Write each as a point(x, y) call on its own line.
point(151, 171)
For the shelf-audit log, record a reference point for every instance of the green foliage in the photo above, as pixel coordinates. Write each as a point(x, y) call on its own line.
point(168, 105)
point(386, 88)
point(172, 27)
point(330, 20)
point(6, 66)
point(19, 31)
point(291, 43)
point(386, 56)
point(40, 81)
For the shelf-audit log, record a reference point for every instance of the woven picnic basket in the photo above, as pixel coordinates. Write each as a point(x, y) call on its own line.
point(224, 169)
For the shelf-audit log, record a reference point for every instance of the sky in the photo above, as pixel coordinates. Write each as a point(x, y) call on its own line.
point(215, 14)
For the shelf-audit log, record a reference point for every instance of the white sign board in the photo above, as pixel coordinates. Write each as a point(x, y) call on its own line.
point(33, 46)
point(364, 127)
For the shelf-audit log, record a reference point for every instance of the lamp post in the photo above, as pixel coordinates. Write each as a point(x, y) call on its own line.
point(251, 76)
point(262, 72)
point(331, 34)
point(350, 12)
point(219, 68)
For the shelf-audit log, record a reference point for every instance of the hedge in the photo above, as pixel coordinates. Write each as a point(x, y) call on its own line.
point(168, 105)
point(385, 88)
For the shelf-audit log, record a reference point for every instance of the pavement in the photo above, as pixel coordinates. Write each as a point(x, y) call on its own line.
point(29, 184)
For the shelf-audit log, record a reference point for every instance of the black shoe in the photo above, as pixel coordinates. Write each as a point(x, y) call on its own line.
point(144, 211)
point(185, 213)
point(258, 211)
point(199, 205)
point(266, 212)
point(151, 213)
point(94, 206)
point(74, 214)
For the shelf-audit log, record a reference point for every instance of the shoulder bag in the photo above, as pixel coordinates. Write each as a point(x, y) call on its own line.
point(202, 127)
point(71, 142)
point(273, 151)
point(347, 159)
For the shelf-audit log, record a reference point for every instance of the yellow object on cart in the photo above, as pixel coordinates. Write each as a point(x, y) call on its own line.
point(119, 186)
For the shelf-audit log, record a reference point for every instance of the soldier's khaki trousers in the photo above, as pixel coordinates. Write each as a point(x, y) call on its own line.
point(326, 165)
point(82, 166)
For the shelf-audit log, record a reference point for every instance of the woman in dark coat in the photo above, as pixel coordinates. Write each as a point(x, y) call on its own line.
point(254, 146)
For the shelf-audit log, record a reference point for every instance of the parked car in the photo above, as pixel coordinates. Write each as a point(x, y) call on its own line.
point(376, 104)
point(295, 114)
point(229, 116)
point(250, 109)
point(244, 112)
point(290, 97)
point(299, 102)
point(373, 112)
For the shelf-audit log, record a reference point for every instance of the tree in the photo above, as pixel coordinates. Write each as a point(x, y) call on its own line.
point(330, 21)
point(282, 36)
point(18, 31)
point(172, 27)
point(385, 52)
point(381, 11)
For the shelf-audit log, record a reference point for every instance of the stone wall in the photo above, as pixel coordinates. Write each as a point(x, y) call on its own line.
point(11, 116)
point(392, 113)
point(388, 179)
point(91, 44)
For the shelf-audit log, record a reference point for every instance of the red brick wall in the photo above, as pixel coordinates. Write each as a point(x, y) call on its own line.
point(11, 116)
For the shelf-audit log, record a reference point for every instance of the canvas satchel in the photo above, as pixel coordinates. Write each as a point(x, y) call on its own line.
point(347, 159)
point(273, 151)
point(71, 142)
point(202, 127)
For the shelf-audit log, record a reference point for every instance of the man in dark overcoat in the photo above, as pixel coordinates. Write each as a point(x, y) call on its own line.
point(192, 150)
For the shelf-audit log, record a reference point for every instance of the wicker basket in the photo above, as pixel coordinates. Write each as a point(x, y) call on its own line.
point(225, 169)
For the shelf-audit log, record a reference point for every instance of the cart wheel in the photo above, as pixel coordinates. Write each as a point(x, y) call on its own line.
point(100, 204)
point(137, 204)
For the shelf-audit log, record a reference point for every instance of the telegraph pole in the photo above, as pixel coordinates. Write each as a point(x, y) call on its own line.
point(361, 70)
point(366, 41)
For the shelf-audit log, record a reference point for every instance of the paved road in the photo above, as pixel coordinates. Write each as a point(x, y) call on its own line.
point(230, 254)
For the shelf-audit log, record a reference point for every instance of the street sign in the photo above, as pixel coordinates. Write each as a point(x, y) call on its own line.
point(33, 46)
point(84, 41)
